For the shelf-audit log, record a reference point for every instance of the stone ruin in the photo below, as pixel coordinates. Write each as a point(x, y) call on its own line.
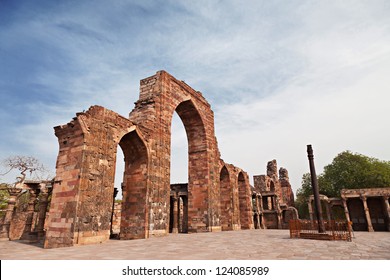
point(365, 209)
point(26, 221)
point(83, 210)
point(82, 198)
point(274, 198)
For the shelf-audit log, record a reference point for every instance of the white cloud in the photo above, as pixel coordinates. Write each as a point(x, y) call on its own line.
point(278, 75)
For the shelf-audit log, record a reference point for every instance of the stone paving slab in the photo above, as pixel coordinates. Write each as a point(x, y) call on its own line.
point(234, 245)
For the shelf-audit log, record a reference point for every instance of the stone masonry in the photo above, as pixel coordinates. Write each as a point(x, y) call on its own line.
point(275, 198)
point(81, 206)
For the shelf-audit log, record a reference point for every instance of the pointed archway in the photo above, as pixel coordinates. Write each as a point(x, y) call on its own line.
point(198, 168)
point(245, 198)
point(134, 214)
point(226, 200)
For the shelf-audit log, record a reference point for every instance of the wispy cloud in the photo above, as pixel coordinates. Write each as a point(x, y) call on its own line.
point(278, 75)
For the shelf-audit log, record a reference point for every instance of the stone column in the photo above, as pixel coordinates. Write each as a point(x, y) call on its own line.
point(185, 214)
point(179, 225)
point(278, 212)
point(257, 199)
point(33, 192)
point(310, 209)
point(263, 225)
point(367, 212)
point(347, 214)
point(44, 201)
point(346, 210)
point(387, 207)
point(175, 228)
point(328, 210)
point(13, 193)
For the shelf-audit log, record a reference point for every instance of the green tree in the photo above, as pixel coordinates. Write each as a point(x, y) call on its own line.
point(353, 171)
point(347, 171)
point(302, 195)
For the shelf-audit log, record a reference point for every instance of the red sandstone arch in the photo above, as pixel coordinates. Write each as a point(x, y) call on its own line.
point(82, 198)
point(197, 159)
point(83, 191)
point(160, 96)
point(134, 214)
point(245, 197)
point(226, 191)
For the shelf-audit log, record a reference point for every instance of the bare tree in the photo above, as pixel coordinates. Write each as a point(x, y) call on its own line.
point(25, 164)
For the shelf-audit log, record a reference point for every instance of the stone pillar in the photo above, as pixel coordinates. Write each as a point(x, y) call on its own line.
point(328, 210)
point(387, 207)
point(13, 193)
point(185, 214)
point(261, 213)
point(33, 192)
point(310, 210)
point(175, 228)
point(279, 212)
point(44, 201)
point(257, 200)
point(367, 212)
point(346, 209)
point(179, 222)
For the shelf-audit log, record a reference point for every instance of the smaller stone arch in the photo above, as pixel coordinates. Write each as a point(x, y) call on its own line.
point(245, 197)
point(134, 213)
point(289, 213)
point(82, 199)
point(226, 192)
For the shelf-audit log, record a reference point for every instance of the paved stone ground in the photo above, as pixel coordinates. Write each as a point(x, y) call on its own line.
point(239, 245)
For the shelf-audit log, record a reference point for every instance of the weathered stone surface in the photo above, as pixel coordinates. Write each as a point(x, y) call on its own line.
point(81, 205)
point(116, 219)
point(82, 196)
point(368, 209)
point(235, 201)
point(275, 197)
point(286, 190)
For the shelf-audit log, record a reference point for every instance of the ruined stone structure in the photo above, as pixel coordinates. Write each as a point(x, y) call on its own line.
point(26, 221)
point(273, 198)
point(235, 198)
point(332, 208)
point(178, 221)
point(81, 207)
point(367, 209)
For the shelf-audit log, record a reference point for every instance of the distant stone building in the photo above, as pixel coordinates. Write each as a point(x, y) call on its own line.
point(26, 214)
point(367, 209)
point(273, 198)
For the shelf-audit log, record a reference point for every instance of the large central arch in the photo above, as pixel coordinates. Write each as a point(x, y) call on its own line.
point(197, 164)
point(161, 95)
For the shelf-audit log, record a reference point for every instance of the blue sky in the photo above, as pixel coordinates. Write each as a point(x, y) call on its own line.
point(278, 74)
